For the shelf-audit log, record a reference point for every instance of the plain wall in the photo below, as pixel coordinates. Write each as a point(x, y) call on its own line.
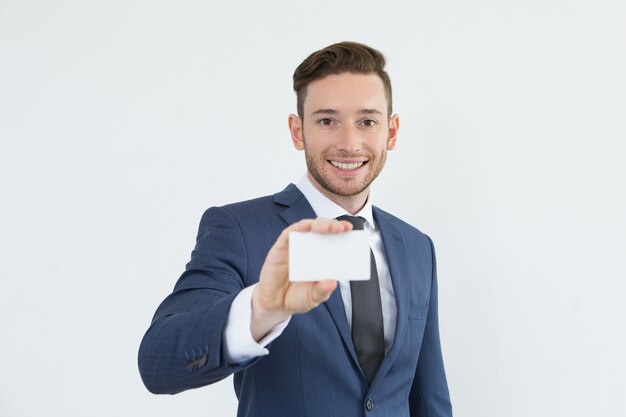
point(121, 121)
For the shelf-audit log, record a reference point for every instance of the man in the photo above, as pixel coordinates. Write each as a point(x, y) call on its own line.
point(308, 348)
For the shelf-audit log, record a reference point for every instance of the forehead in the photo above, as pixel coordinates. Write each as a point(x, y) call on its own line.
point(346, 92)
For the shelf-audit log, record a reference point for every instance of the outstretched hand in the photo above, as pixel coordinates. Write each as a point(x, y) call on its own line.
point(276, 298)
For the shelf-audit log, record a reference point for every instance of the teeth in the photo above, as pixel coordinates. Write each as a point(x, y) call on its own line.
point(342, 165)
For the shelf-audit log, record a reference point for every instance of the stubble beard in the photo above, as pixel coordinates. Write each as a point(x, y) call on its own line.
point(349, 188)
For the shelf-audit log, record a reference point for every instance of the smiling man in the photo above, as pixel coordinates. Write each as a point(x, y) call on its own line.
point(311, 348)
point(349, 129)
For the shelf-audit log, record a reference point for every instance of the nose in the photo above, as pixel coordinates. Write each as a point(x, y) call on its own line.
point(350, 139)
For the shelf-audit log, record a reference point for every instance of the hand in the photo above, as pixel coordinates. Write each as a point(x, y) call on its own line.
point(276, 298)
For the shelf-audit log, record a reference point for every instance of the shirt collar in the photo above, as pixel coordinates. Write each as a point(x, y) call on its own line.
point(324, 207)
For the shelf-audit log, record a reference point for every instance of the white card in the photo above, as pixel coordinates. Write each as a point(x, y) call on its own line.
point(343, 256)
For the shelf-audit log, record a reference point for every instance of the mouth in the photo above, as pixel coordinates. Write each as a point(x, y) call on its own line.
point(347, 166)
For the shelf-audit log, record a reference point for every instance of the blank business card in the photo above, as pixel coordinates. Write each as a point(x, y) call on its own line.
point(315, 257)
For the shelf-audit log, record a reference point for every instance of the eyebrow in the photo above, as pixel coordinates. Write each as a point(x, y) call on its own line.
point(324, 111)
point(370, 111)
point(333, 111)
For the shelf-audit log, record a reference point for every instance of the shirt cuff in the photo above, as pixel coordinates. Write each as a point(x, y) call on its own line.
point(237, 341)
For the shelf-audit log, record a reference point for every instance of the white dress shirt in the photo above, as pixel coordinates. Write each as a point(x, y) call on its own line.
point(238, 344)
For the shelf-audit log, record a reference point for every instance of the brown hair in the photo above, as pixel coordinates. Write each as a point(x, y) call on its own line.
point(338, 58)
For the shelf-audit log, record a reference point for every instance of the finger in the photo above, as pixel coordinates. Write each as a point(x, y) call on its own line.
point(344, 226)
point(325, 226)
point(318, 225)
point(303, 225)
point(322, 290)
point(282, 243)
point(347, 226)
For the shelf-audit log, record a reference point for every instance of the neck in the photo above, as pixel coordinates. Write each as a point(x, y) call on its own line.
point(352, 203)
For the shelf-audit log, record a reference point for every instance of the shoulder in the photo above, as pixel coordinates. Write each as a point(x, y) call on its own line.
point(234, 213)
point(263, 205)
point(248, 207)
point(261, 214)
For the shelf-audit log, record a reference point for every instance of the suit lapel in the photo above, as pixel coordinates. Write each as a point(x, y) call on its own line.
point(298, 208)
point(395, 250)
point(337, 310)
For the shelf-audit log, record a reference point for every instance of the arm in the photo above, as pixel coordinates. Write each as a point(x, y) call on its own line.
point(429, 396)
point(237, 341)
point(183, 348)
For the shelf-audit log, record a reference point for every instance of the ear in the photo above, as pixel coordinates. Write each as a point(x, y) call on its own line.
point(394, 126)
point(295, 128)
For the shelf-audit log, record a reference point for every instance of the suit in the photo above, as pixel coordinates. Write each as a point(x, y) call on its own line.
point(312, 368)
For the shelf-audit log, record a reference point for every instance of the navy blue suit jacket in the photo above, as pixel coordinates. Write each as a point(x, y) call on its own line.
point(312, 368)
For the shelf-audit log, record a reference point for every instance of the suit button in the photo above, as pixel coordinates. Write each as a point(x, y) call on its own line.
point(369, 404)
point(196, 363)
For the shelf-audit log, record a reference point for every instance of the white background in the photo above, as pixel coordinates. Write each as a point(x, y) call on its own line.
point(121, 121)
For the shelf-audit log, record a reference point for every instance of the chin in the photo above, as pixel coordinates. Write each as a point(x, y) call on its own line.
point(345, 190)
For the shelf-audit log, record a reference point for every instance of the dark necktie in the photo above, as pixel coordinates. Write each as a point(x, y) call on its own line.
point(367, 315)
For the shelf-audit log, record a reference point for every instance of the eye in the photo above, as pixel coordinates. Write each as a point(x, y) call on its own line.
point(325, 121)
point(369, 123)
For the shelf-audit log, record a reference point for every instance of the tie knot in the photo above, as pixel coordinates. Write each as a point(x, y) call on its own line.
point(357, 222)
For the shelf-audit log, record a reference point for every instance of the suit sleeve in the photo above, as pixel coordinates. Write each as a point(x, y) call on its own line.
point(429, 396)
point(182, 349)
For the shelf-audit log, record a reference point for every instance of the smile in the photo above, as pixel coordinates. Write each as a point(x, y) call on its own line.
point(344, 166)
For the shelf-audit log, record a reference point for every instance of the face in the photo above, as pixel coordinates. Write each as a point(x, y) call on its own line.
point(345, 133)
